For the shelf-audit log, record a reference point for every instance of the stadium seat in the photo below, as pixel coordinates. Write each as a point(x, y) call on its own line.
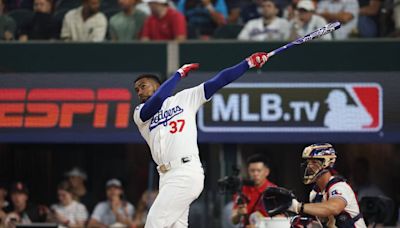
point(21, 16)
point(227, 32)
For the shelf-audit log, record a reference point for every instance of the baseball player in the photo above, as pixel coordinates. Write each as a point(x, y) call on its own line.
point(332, 199)
point(168, 124)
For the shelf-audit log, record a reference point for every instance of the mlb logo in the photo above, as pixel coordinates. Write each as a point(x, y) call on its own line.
point(365, 112)
point(294, 107)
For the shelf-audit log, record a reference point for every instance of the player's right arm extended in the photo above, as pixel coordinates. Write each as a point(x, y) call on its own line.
point(230, 74)
point(153, 105)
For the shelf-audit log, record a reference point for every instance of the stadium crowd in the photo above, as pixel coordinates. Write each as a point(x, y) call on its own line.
point(255, 20)
point(76, 206)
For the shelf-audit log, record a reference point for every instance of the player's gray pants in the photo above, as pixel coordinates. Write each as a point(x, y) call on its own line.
point(179, 187)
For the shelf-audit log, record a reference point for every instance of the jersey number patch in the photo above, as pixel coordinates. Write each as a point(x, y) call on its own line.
point(176, 126)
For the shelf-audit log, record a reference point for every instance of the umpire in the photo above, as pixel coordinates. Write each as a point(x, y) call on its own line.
point(258, 171)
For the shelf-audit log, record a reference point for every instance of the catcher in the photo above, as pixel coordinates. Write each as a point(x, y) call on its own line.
point(332, 200)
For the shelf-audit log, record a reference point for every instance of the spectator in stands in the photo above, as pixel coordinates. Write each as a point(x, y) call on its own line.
point(369, 17)
point(18, 4)
point(43, 26)
point(143, 207)
point(3, 202)
point(143, 6)
point(307, 21)
point(164, 23)
point(77, 177)
point(68, 212)
point(85, 23)
point(203, 16)
point(7, 24)
point(290, 11)
point(127, 24)
point(268, 27)
point(115, 211)
point(344, 11)
point(250, 10)
point(234, 9)
point(396, 18)
point(21, 211)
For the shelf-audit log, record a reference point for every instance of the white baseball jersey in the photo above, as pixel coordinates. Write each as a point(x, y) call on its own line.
point(342, 190)
point(172, 132)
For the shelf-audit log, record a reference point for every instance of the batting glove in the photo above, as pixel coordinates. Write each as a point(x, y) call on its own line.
point(257, 60)
point(185, 69)
point(295, 207)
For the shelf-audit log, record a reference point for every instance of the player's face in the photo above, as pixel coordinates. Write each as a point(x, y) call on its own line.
point(313, 166)
point(145, 88)
point(258, 172)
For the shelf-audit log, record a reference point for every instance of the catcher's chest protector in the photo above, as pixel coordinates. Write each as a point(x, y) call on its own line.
point(342, 220)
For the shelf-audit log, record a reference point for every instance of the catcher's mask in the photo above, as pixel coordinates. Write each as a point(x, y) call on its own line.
point(319, 159)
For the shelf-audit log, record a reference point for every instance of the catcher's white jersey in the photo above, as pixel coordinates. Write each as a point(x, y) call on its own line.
point(172, 132)
point(345, 192)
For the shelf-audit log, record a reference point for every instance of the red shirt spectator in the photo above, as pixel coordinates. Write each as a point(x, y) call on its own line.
point(258, 171)
point(164, 23)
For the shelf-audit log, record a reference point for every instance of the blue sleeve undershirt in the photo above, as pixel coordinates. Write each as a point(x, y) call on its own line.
point(223, 78)
point(154, 103)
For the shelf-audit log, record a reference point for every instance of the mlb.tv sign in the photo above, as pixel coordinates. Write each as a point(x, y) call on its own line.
point(294, 107)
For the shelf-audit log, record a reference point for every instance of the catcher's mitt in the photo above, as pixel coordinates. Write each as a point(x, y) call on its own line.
point(277, 200)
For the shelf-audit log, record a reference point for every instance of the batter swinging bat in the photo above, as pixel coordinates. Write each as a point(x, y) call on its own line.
point(313, 35)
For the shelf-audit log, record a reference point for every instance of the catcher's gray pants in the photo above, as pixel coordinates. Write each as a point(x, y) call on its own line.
point(179, 187)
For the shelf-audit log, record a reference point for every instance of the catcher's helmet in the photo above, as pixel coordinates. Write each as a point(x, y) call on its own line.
point(319, 158)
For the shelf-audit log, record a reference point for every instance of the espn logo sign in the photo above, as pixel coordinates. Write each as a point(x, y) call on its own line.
point(63, 107)
point(294, 107)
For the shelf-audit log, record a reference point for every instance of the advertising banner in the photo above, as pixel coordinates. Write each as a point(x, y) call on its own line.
point(69, 107)
point(274, 107)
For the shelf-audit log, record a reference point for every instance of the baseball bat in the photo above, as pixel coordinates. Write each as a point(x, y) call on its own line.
point(313, 35)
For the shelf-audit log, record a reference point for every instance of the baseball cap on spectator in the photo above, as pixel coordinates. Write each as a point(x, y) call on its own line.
point(114, 183)
point(19, 187)
point(76, 172)
point(306, 5)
